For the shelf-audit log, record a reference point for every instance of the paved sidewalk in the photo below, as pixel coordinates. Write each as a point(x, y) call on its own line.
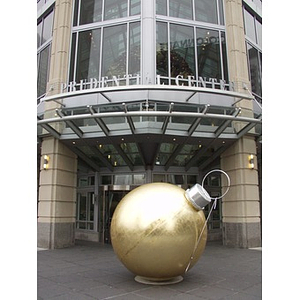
point(92, 271)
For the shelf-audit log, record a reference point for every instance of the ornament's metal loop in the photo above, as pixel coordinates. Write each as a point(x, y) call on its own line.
point(223, 172)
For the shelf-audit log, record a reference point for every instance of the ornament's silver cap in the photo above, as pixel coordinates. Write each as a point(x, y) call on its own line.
point(197, 196)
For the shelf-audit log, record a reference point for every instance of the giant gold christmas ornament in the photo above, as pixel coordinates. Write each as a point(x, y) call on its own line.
point(155, 231)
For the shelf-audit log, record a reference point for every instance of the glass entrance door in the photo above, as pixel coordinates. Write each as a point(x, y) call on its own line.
point(85, 210)
point(111, 198)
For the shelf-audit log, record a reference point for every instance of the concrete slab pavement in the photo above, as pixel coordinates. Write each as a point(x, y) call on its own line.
point(92, 271)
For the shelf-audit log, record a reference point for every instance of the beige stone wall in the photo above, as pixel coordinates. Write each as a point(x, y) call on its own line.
point(241, 205)
point(57, 190)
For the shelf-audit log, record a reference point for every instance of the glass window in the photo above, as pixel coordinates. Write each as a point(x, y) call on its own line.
point(254, 69)
point(123, 179)
point(134, 48)
point(208, 53)
point(90, 11)
point(85, 210)
point(181, 9)
point(139, 179)
point(114, 51)
point(259, 33)
point(72, 63)
point(43, 71)
point(249, 26)
point(161, 7)
point(82, 208)
point(191, 179)
point(106, 179)
point(75, 17)
point(206, 11)
point(175, 179)
point(114, 9)
point(182, 50)
point(135, 7)
point(162, 61)
point(221, 12)
point(88, 55)
point(39, 34)
point(47, 27)
point(224, 56)
point(158, 177)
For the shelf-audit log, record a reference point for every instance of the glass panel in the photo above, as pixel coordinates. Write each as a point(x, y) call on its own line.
point(47, 28)
point(224, 55)
point(82, 207)
point(259, 33)
point(162, 49)
point(91, 206)
point(181, 9)
point(139, 178)
point(72, 63)
point(254, 70)
point(114, 51)
point(90, 11)
point(191, 179)
point(165, 151)
point(249, 25)
point(182, 51)
point(39, 33)
point(161, 7)
point(122, 179)
point(221, 12)
point(175, 179)
point(75, 17)
point(206, 11)
point(106, 179)
point(88, 55)
point(135, 7)
point(115, 9)
point(158, 177)
point(117, 160)
point(208, 52)
point(134, 48)
point(43, 71)
point(82, 225)
point(83, 182)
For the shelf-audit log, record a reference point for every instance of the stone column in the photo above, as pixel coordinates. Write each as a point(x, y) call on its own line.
point(57, 196)
point(240, 207)
point(57, 190)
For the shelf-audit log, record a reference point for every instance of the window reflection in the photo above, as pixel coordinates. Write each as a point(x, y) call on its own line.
point(114, 51)
point(249, 25)
point(181, 9)
point(161, 7)
point(114, 9)
point(206, 11)
point(88, 54)
point(134, 48)
point(162, 49)
point(182, 50)
point(208, 53)
point(47, 28)
point(90, 11)
point(135, 7)
point(43, 71)
point(254, 57)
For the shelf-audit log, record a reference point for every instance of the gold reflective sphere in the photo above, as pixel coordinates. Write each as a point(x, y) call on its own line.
point(155, 230)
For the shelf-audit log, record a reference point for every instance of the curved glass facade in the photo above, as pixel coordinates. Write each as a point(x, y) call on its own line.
point(107, 44)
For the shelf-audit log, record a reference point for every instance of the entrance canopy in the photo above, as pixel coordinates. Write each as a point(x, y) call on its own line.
point(141, 128)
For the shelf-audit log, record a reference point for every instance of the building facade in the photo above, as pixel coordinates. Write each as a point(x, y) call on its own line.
point(134, 91)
